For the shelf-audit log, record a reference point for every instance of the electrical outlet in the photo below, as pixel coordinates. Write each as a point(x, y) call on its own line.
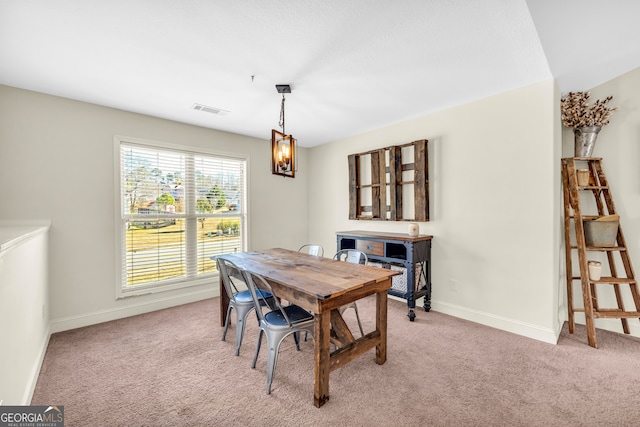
point(453, 285)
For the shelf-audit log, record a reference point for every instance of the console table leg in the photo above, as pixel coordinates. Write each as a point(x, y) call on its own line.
point(427, 296)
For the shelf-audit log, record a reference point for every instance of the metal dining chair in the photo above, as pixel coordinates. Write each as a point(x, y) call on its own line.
point(315, 250)
point(276, 324)
point(354, 257)
point(312, 249)
point(240, 301)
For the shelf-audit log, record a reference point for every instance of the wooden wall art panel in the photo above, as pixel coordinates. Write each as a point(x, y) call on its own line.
point(390, 184)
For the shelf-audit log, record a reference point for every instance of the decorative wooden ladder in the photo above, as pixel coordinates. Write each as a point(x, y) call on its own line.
point(599, 188)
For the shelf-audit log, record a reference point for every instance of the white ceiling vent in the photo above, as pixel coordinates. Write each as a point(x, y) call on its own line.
point(212, 110)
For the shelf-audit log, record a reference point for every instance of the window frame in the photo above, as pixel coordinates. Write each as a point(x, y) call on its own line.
point(120, 238)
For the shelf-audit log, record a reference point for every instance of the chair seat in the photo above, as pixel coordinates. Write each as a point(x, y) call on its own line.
point(295, 313)
point(244, 297)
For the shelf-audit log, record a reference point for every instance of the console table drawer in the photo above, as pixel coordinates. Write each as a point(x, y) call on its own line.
point(370, 247)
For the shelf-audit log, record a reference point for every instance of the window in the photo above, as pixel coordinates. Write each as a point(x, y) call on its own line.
point(177, 208)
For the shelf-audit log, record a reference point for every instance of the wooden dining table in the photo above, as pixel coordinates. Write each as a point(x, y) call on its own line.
point(322, 286)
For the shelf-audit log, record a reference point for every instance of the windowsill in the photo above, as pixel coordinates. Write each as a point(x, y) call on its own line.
point(154, 289)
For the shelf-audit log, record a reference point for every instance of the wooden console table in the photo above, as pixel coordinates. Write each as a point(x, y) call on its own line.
point(411, 255)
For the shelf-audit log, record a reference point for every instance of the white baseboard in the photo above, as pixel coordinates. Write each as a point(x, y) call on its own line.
point(87, 319)
point(536, 332)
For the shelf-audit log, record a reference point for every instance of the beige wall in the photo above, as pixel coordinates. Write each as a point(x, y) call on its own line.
point(619, 146)
point(494, 183)
point(496, 212)
point(56, 163)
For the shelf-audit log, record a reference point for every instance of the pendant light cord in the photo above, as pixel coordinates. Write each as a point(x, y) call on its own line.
point(281, 123)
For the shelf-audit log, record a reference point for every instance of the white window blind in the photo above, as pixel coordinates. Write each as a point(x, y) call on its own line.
point(179, 207)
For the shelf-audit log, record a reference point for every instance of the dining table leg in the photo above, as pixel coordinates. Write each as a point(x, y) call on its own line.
point(322, 358)
point(381, 326)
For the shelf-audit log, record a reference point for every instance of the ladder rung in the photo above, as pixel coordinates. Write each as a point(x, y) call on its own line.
point(602, 248)
point(594, 187)
point(609, 280)
point(606, 248)
point(595, 216)
point(614, 280)
point(589, 216)
point(615, 314)
point(612, 313)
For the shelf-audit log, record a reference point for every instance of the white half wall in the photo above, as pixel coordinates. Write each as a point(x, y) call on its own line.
point(24, 308)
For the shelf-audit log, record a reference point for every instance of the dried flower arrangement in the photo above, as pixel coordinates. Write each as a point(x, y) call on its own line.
point(576, 111)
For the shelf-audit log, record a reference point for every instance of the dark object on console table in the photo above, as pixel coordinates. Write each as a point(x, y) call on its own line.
point(397, 251)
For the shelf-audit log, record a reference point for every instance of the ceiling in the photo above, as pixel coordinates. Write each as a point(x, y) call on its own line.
point(353, 65)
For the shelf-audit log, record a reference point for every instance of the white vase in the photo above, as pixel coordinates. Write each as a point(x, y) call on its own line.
point(414, 229)
point(595, 270)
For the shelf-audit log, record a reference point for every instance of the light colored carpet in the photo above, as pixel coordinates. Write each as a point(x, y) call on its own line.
point(170, 368)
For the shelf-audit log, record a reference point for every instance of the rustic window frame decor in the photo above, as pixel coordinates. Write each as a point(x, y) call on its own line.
point(389, 177)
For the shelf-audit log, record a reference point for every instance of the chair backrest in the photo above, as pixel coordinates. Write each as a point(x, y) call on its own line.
point(351, 255)
point(228, 270)
point(258, 287)
point(312, 249)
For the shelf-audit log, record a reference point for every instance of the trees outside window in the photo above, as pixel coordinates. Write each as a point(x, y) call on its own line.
point(175, 215)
